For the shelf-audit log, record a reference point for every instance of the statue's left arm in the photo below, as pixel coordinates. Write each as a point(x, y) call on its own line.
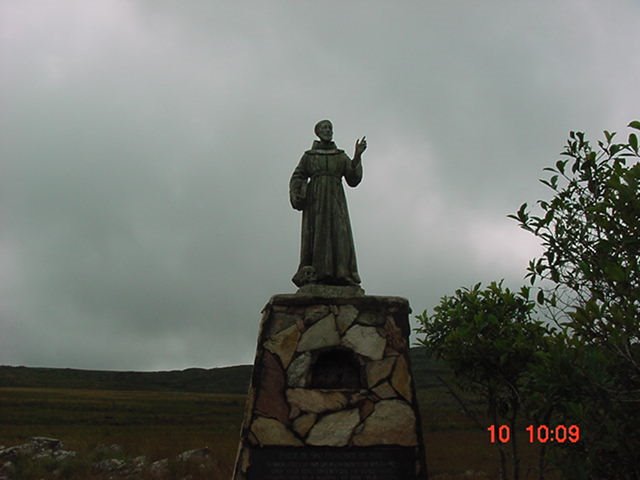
point(353, 171)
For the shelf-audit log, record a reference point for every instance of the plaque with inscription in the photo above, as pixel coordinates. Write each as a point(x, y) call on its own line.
point(326, 463)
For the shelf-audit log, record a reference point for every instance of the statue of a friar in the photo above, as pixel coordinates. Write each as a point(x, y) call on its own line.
point(327, 253)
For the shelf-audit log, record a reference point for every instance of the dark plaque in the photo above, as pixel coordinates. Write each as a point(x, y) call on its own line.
point(326, 463)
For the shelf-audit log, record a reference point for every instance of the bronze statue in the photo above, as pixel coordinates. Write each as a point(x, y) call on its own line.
point(327, 253)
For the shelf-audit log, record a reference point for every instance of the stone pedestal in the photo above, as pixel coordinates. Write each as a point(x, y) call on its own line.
point(331, 395)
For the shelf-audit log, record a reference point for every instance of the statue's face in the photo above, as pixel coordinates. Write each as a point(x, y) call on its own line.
point(325, 131)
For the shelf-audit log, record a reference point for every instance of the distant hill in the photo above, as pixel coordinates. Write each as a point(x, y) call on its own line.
point(215, 380)
point(426, 370)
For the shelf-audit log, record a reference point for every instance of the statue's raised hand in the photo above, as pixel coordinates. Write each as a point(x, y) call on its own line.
point(361, 146)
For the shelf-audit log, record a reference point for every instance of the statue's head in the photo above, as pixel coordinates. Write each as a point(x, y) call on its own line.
point(324, 130)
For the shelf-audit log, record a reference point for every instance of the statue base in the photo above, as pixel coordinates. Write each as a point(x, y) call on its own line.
point(318, 290)
point(331, 394)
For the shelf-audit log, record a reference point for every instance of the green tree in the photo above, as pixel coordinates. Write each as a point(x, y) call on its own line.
point(489, 339)
point(589, 283)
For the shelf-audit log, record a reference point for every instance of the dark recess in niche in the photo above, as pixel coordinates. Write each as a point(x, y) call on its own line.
point(336, 369)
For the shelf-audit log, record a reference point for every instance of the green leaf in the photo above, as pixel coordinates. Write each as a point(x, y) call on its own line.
point(609, 135)
point(540, 297)
point(548, 217)
point(522, 214)
point(633, 141)
point(635, 124)
point(576, 166)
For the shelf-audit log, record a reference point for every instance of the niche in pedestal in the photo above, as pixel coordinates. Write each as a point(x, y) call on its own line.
point(336, 369)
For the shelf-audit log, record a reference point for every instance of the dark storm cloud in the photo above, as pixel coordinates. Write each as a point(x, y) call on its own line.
point(147, 147)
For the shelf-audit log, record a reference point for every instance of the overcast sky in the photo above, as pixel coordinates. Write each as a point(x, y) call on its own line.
point(146, 149)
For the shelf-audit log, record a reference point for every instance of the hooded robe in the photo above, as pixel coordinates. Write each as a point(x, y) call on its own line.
point(327, 253)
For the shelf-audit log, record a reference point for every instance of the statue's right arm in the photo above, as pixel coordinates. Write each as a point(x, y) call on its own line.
point(298, 185)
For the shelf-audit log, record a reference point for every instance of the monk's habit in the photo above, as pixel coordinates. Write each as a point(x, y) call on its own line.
point(327, 252)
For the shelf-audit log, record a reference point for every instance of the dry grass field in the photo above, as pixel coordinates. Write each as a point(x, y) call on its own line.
point(154, 424)
point(163, 424)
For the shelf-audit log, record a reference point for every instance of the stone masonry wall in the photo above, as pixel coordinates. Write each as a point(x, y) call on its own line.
point(370, 400)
